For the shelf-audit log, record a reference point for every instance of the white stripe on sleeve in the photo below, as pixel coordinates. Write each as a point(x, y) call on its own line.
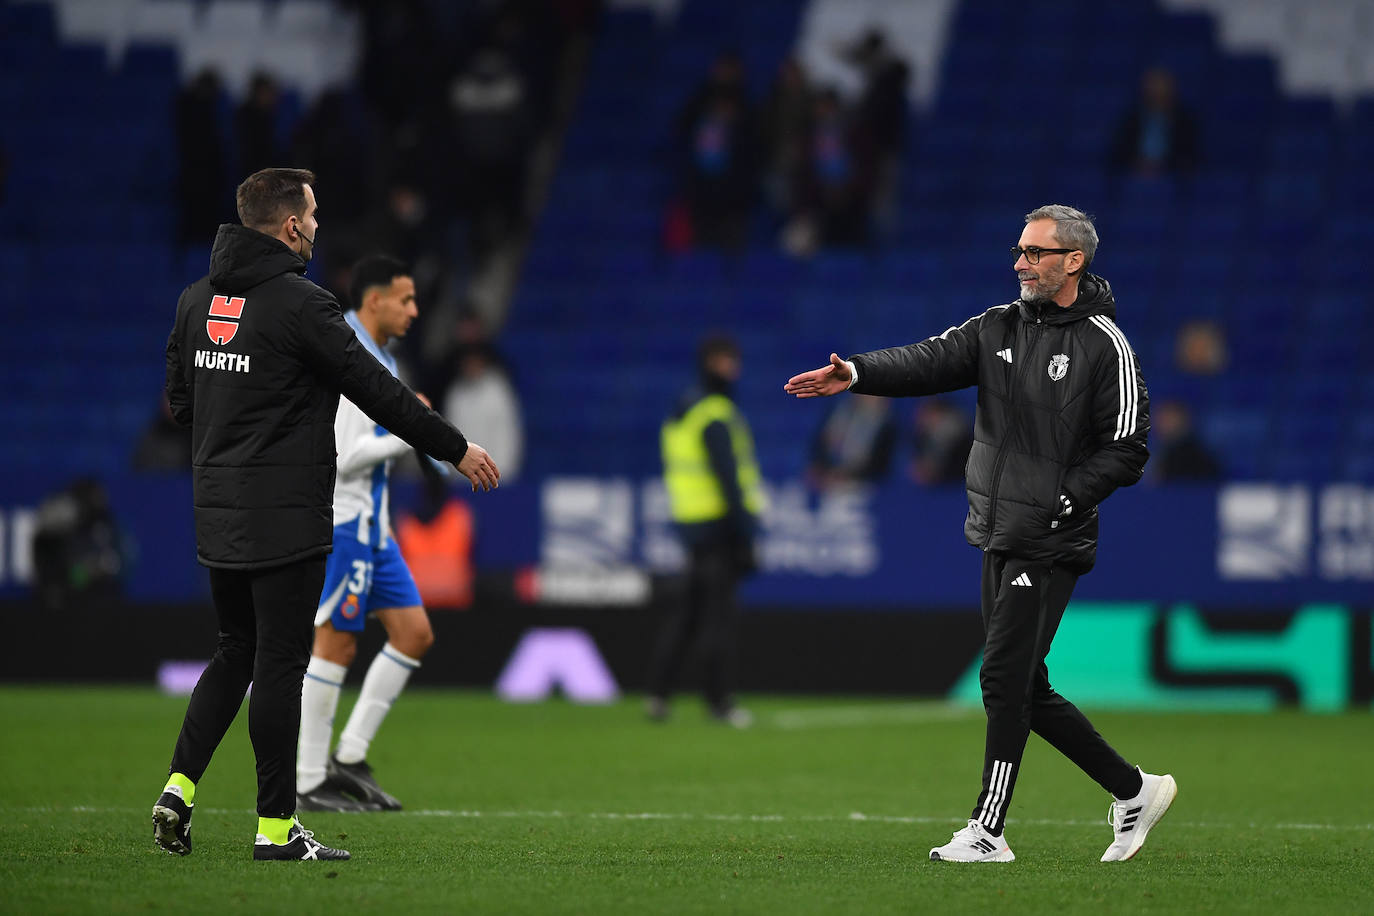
point(1128, 392)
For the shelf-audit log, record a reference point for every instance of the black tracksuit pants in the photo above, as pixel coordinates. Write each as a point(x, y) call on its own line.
point(266, 626)
point(706, 614)
point(1023, 602)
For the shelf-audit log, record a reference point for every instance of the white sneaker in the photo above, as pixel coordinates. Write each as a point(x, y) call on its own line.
point(735, 717)
point(1132, 819)
point(973, 844)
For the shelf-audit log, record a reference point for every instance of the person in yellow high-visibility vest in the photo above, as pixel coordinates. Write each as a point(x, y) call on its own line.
point(716, 498)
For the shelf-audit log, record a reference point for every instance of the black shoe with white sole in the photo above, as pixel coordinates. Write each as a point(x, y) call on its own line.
point(172, 822)
point(327, 797)
point(356, 779)
point(300, 846)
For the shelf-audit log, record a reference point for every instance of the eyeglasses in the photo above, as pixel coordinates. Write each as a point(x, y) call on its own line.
point(1032, 253)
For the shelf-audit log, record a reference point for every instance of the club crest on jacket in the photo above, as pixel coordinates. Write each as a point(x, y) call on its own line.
point(1059, 366)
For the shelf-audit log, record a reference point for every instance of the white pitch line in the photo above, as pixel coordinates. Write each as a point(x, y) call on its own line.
point(853, 817)
point(872, 714)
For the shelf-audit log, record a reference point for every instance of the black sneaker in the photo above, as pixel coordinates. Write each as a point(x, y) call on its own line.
point(172, 822)
point(300, 846)
point(327, 797)
point(356, 779)
point(656, 708)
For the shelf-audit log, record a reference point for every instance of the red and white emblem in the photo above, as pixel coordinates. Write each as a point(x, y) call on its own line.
point(221, 332)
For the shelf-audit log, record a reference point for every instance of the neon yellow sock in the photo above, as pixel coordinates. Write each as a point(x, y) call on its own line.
point(275, 828)
point(188, 788)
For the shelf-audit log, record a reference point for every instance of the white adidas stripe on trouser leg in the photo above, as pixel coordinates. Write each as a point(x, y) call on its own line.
point(997, 794)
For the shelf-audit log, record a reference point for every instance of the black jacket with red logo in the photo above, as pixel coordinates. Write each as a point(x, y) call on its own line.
point(1062, 409)
point(255, 365)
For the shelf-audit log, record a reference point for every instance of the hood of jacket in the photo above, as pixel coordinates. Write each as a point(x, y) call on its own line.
point(242, 258)
point(1094, 298)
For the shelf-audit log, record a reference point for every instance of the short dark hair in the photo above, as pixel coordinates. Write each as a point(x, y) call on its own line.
point(714, 345)
point(269, 196)
point(373, 270)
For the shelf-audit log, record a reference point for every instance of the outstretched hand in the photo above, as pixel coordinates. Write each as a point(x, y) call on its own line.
point(822, 382)
point(476, 465)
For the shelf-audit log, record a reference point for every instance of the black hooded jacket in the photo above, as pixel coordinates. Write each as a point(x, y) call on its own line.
point(255, 365)
point(1062, 409)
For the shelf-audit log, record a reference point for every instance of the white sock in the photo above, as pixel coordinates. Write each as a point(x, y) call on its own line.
point(319, 698)
point(386, 678)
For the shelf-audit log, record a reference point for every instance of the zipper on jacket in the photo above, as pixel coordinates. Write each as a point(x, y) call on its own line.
point(1001, 458)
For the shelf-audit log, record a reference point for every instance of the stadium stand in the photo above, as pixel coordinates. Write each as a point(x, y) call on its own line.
point(1265, 236)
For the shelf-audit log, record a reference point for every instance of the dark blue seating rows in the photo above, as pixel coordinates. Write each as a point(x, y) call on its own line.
point(1267, 237)
point(1264, 238)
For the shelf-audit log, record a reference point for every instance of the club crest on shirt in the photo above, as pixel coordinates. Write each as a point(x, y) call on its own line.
point(1059, 367)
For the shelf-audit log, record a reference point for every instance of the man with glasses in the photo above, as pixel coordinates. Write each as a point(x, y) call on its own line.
point(1062, 420)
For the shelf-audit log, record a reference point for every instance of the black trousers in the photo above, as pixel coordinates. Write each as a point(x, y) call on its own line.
point(1023, 603)
point(706, 614)
point(266, 626)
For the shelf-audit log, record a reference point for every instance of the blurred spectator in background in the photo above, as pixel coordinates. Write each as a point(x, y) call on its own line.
point(833, 185)
point(493, 130)
point(337, 138)
point(718, 157)
point(1180, 453)
point(165, 445)
point(785, 127)
point(854, 443)
point(726, 80)
point(202, 188)
point(1200, 348)
point(435, 536)
point(341, 143)
point(942, 435)
point(1158, 136)
point(405, 223)
point(404, 56)
point(881, 114)
point(482, 396)
point(255, 124)
point(715, 498)
point(463, 330)
point(882, 106)
point(408, 223)
point(78, 547)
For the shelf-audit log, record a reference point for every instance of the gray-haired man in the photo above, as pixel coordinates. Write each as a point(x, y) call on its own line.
point(1062, 420)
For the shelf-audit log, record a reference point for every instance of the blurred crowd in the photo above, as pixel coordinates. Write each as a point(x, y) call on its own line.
point(823, 170)
point(426, 157)
point(826, 169)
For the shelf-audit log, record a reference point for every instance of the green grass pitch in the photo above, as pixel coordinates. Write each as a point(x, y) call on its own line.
point(825, 806)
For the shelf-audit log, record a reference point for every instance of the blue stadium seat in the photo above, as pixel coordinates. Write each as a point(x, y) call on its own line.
point(152, 62)
point(1243, 434)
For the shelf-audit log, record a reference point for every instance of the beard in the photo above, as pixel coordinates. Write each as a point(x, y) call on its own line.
point(1043, 291)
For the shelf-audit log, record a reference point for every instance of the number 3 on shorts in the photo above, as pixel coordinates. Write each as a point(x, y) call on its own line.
point(361, 580)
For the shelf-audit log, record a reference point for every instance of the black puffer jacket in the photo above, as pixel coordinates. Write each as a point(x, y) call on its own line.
point(1062, 409)
point(255, 365)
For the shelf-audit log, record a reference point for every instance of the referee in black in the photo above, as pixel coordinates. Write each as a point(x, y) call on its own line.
point(256, 362)
point(1062, 422)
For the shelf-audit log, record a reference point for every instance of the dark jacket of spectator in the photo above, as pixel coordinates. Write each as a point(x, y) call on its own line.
point(1158, 135)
